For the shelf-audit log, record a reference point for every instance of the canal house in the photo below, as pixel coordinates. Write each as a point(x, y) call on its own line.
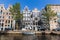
point(26, 18)
point(6, 18)
point(55, 22)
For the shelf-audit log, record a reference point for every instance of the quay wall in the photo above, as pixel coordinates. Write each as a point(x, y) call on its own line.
point(36, 32)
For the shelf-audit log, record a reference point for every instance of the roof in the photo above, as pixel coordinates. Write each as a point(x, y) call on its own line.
point(53, 4)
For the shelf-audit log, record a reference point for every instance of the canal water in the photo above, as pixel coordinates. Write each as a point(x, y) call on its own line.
point(30, 37)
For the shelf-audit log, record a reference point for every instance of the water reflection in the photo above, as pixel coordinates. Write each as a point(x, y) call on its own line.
point(30, 37)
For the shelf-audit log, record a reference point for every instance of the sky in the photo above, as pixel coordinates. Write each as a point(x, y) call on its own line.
point(39, 4)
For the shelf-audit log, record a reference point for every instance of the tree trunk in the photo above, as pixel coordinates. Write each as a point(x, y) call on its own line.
point(16, 26)
point(13, 25)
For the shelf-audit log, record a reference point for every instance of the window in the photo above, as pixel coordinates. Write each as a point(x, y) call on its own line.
point(6, 13)
point(9, 17)
point(9, 13)
point(23, 18)
point(38, 27)
point(8, 21)
point(31, 16)
point(36, 19)
point(5, 25)
point(1, 11)
point(33, 22)
point(0, 20)
point(26, 24)
point(28, 18)
point(11, 21)
point(12, 17)
point(8, 25)
point(0, 16)
point(2, 24)
point(3, 16)
point(33, 28)
point(36, 23)
point(55, 21)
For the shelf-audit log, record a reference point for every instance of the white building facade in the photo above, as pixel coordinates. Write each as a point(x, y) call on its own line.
point(31, 18)
point(27, 17)
point(35, 18)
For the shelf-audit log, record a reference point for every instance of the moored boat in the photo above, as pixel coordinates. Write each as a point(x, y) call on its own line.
point(28, 33)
